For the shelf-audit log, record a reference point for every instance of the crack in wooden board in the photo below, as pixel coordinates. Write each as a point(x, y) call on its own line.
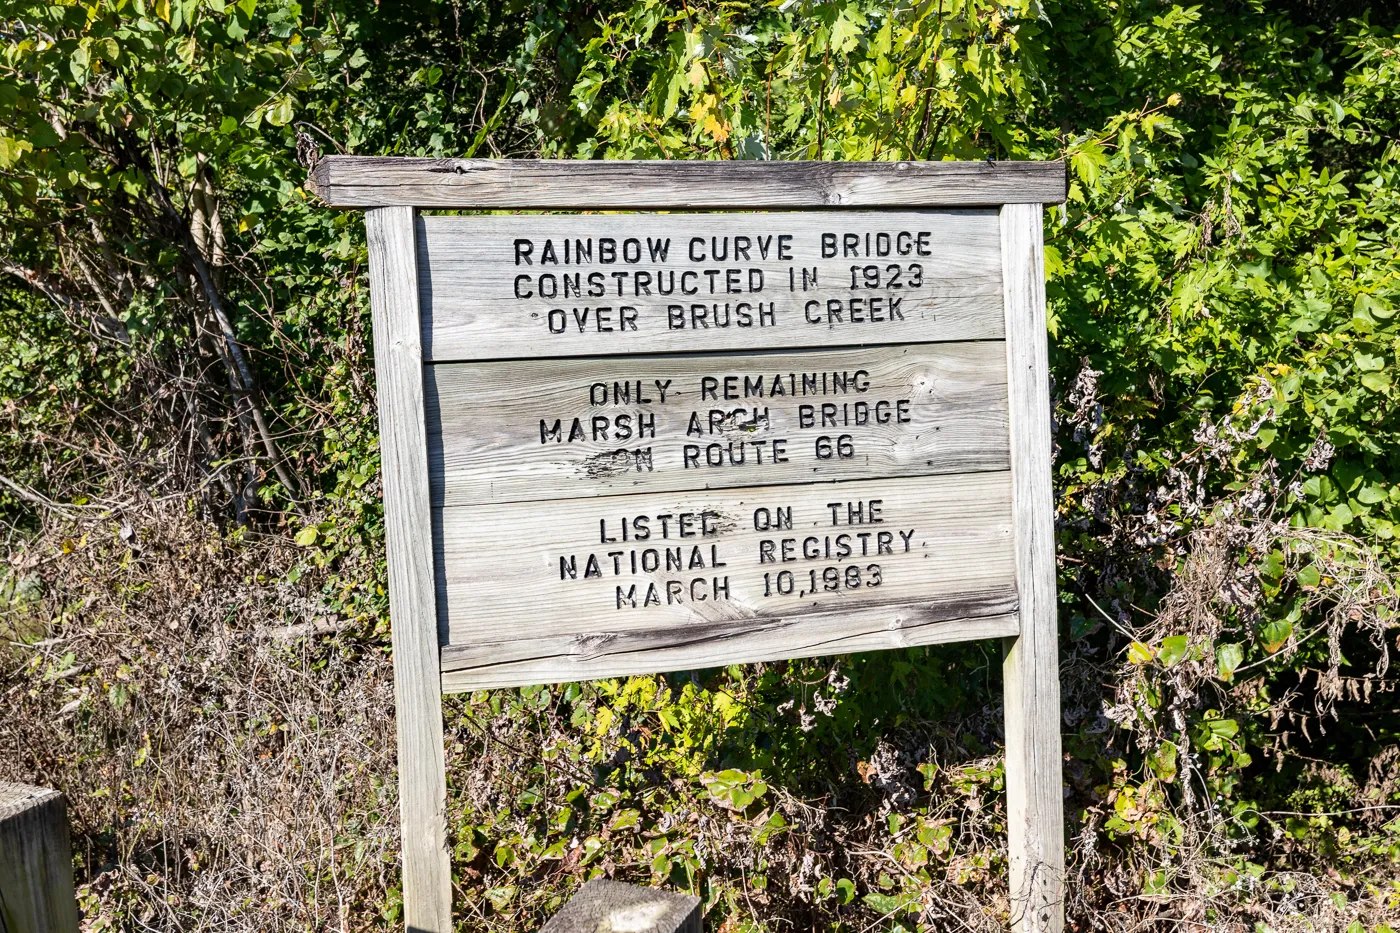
point(967, 617)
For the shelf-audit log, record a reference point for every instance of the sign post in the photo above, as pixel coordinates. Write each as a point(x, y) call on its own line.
point(804, 411)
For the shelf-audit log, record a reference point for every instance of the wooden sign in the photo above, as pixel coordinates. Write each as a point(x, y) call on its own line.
point(627, 443)
point(510, 287)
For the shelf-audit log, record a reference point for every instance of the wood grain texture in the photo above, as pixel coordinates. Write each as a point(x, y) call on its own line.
point(490, 292)
point(427, 882)
point(36, 862)
point(501, 432)
point(359, 181)
point(565, 658)
point(1034, 786)
point(521, 605)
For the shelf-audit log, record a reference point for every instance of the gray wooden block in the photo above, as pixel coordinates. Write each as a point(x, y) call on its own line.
point(603, 906)
point(36, 862)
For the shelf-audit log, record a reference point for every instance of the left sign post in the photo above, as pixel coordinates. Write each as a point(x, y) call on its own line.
point(398, 350)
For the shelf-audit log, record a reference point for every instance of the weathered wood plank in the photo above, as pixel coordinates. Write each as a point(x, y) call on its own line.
point(36, 862)
point(873, 554)
point(359, 181)
point(497, 287)
point(566, 429)
point(427, 881)
point(1034, 788)
point(565, 658)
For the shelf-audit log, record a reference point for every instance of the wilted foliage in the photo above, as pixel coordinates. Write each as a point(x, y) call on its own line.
point(194, 597)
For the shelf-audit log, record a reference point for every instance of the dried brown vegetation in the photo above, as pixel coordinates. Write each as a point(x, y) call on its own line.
point(224, 770)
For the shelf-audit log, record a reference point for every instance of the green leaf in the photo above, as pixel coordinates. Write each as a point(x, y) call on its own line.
point(1223, 728)
point(1368, 362)
point(1154, 884)
point(12, 150)
point(883, 903)
point(1371, 493)
point(847, 29)
point(1376, 382)
point(773, 825)
point(1163, 762)
point(1173, 650)
point(1227, 659)
point(625, 819)
point(281, 112)
point(307, 536)
point(1139, 653)
point(1275, 635)
point(1087, 160)
point(1309, 577)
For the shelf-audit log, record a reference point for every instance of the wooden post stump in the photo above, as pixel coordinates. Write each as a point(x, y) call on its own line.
point(603, 906)
point(36, 862)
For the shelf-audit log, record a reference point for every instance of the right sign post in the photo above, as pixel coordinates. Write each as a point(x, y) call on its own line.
point(644, 442)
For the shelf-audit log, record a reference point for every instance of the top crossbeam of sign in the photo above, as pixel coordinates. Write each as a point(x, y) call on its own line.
point(497, 184)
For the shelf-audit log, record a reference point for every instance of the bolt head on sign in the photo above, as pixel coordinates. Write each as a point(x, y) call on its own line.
point(603, 906)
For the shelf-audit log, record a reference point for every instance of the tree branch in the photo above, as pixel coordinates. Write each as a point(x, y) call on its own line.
point(247, 382)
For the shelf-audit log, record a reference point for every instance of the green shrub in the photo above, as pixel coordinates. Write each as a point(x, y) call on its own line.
point(1223, 290)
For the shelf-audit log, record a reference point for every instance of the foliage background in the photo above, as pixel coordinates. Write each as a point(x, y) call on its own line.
point(194, 608)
